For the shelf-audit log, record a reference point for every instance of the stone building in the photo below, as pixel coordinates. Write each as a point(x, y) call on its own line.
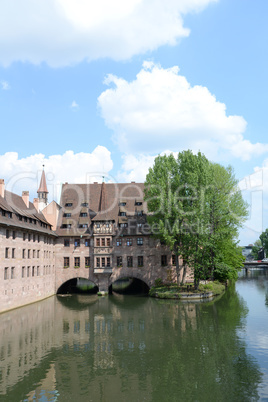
point(98, 232)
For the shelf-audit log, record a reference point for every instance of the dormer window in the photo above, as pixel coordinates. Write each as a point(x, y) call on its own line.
point(83, 214)
point(84, 204)
point(67, 215)
point(69, 204)
point(122, 204)
point(138, 203)
point(122, 214)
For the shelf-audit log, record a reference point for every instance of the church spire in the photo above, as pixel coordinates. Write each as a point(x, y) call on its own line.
point(42, 191)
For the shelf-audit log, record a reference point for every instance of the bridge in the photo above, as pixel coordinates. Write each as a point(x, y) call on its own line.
point(104, 278)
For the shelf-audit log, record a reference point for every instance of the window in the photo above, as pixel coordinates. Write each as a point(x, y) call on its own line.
point(119, 261)
point(123, 225)
point(83, 225)
point(103, 242)
point(108, 242)
point(69, 204)
point(83, 214)
point(66, 262)
point(163, 260)
point(12, 272)
point(108, 262)
point(122, 214)
point(138, 203)
point(87, 242)
point(98, 242)
point(23, 253)
point(139, 241)
point(14, 234)
point(119, 242)
point(29, 253)
point(34, 237)
point(67, 215)
point(107, 225)
point(77, 262)
point(84, 204)
point(66, 242)
point(98, 262)
point(22, 272)
point(38, 253)
point(77, 243)
point(28, 272)
point(140, 261)
point(33, 268)
point(129, 241)
point(29, 236)
point(103, 262)
point(140, 213)
point(122, 204)
point(33, 253)
point(173, 260)
point(87, 262)
point(13, 253)
point(6, 252)
point(98, 225)
point(6, 273)
point(37, 271)
point(130, 261)
point(7, 233)
point(24, 236)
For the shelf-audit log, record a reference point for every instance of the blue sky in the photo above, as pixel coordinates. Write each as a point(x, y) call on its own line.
point(91, 88)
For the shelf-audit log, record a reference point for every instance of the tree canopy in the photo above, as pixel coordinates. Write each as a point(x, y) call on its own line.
point(196, 208)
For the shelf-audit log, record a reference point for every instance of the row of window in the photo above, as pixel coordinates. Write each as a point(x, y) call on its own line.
point(119, 261)
point(29, 236)
point(35, 253)
point(10, 272)
point(26, 219)
point(66, 262)
point(104, 242)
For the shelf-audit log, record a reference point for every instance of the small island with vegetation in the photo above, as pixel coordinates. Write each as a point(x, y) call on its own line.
point(187, 291)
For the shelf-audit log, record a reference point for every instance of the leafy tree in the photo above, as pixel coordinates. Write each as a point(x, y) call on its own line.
point(196, 209)
point(264, 241)
point(255, 249)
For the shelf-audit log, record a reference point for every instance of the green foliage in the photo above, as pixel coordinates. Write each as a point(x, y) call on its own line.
point(158, 282)
point(223, 272)
point(196, 208)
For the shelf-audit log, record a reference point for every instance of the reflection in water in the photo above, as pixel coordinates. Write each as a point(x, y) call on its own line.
point(127, 348)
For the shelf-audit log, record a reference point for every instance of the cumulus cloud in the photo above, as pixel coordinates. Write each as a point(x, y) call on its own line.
point(24, 174)
point(160, 109)
point(62, 32)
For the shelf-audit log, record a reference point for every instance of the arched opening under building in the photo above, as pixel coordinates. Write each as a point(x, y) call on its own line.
point(130, 286)
point(78, 286)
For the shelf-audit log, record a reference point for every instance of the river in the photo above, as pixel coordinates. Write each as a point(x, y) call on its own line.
point(130, 348)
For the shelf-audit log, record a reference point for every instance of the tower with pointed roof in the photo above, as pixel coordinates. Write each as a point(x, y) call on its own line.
point(42, 192)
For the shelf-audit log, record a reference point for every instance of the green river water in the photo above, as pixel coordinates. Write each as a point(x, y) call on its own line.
point(130, 348)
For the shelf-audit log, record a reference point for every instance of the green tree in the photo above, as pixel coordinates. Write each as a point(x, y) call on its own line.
point(264, 241)
point(195, 208)
point(255, 249)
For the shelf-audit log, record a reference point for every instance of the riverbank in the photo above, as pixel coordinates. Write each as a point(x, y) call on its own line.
point(187, 291)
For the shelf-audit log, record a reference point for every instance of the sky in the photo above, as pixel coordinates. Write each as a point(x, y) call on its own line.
point(99, 88)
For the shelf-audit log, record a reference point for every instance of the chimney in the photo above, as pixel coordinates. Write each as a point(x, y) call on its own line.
point(2, 188)
point(25, 197)
point(36, 204)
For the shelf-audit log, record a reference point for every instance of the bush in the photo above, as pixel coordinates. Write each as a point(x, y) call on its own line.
point(223, 272)
point(158, 282)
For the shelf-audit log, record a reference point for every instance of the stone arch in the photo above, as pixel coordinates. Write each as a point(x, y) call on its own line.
point(73, 279)
point(130, 274)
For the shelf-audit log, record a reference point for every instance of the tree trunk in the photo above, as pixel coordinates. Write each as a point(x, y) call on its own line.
point(178, 267)
point(184, 273)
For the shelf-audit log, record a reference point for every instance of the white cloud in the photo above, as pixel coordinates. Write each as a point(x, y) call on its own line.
point(62, 32)
point(160, 109)
point(5, 85)
point(24, 174)
point(74, 105)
